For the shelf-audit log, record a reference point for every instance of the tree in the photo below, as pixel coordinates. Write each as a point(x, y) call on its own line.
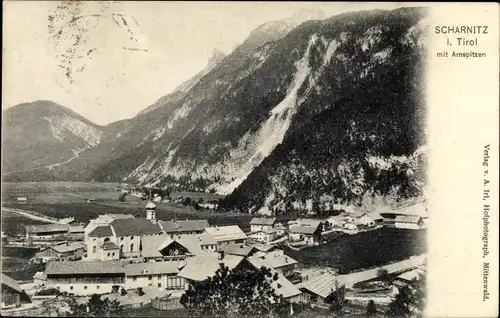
point(236, 293)
point(371, 309)
point(95, 307)
point(410, 301)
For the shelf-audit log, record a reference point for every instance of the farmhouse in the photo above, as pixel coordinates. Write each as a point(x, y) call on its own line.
point(309, 235)
point(183, 227)
point(227, 234)
point(266, 235)
point(277, 260)
point(413, 222)
point(12, 294)
point(154, 274)
point(259, 224)
point(64, 251)
point(85, 277)
point(322, 289)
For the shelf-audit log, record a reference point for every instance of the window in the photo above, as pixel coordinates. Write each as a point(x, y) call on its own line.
point(113, 254)
point(131, 247)
point(134, 278)
point(94, 249)
point(159, 285)
point(121, 239)
point(150, 277)
point(131, 237)
point(159, 276)
point(121, 249)
point(70, 287)
point(85, 287)
point(108, 254)
point(98, 287)
point(150, 284)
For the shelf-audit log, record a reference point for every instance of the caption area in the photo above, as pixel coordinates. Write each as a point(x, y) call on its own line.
point(465, 37)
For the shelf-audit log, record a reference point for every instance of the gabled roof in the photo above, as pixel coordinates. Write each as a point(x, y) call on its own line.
point(85, 267)
point(40, 275)
point(281, 286)
point(184, 226)
point(263, 221)
point(275, 259)
point(77, 229)
point(131, 227)
point(226, 233)
point(151, 243)
point(190, 242)
point(264, 247)
point(67, 247)
point(205, 265)
point(8, 281)
point(101, 231)
point(153, 268)
point(375, 216)
point(238, 249)
point(44, 228)
point(408, 218)
point(303, 229)
point(322, 285)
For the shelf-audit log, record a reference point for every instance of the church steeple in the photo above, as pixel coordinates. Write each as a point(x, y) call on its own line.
point(151, 209)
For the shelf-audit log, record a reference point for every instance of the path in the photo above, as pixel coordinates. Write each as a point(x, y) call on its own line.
point(394, 268)
point(32, 215)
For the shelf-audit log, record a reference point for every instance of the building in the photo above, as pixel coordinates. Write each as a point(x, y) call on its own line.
point(266, 248)
point(413, 222)
point(335, 221)
point(64, 251)
point(322, 289)
point(266, 235)
point(151, 212)
point(227, 234)
point(47, 231)
point(277, 260)
point(184, 227)
point(40, 279)
point(175, 247)
point(22, 200)
point(280, 229)
point(238, 249)
point(259, 224)
point(364, 220)
point(154, 274)
point(83, 278)
point(308, 235)
point(126, 233)
point(12, 294)
point(377, 218)
point(105, 219)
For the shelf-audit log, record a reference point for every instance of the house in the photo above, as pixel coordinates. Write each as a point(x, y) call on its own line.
point(22, 200)
point(40, 279)
point(322, 289)
point(259, 224)
point(266, 248)
point(335, 221)
point(238, 249)
point(47, 231)
point(364, 220)
point(12, 294)
point(277, 260)
point(65, 251)
point(175, 247)
point(206, 265)
point(266, 235)
point(183, 227)
point(377, 218)
point(280, 229)
point(154, 274)
point(109, 251)
point(350, 227)
point(227, 234)
point(413, 222)
point(83, 278)
point(309, 235)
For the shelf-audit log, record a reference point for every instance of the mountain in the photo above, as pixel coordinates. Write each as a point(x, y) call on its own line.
point(44, 134)
point(326, 113)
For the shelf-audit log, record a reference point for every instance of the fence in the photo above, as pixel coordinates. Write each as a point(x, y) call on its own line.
point(166, 303)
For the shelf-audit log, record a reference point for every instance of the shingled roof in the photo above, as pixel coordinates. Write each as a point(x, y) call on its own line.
point(101, 231)
point(6, 280)
point(85, 267)
point(263, 221)
point(184, 226)
point(323, 284)
point(131, 227)
point(226, 233)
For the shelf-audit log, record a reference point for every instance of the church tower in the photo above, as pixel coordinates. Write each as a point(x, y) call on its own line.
point(151, 210)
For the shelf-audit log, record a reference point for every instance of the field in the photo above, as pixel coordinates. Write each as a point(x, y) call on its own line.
point(69, 199)
point(364, 250)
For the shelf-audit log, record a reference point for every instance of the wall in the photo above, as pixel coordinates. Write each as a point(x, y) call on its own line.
point(167, 281)
point(85, 285)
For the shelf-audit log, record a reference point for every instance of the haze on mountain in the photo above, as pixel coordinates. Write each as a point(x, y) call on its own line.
point(327, 112)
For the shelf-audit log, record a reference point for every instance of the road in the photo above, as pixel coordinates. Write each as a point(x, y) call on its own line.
point(32, 215)
point(394, 268)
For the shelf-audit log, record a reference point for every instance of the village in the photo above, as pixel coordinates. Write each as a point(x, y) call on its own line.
point(143, 261)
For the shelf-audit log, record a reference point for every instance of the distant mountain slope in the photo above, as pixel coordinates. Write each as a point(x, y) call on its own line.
point(43, 133)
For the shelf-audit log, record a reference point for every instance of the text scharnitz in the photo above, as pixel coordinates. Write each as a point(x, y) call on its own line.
point(461, 29)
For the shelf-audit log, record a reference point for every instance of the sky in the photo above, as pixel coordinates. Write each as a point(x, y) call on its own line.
point(109, 60)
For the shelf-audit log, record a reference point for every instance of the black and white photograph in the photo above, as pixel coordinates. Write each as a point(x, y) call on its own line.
point(228, 159)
